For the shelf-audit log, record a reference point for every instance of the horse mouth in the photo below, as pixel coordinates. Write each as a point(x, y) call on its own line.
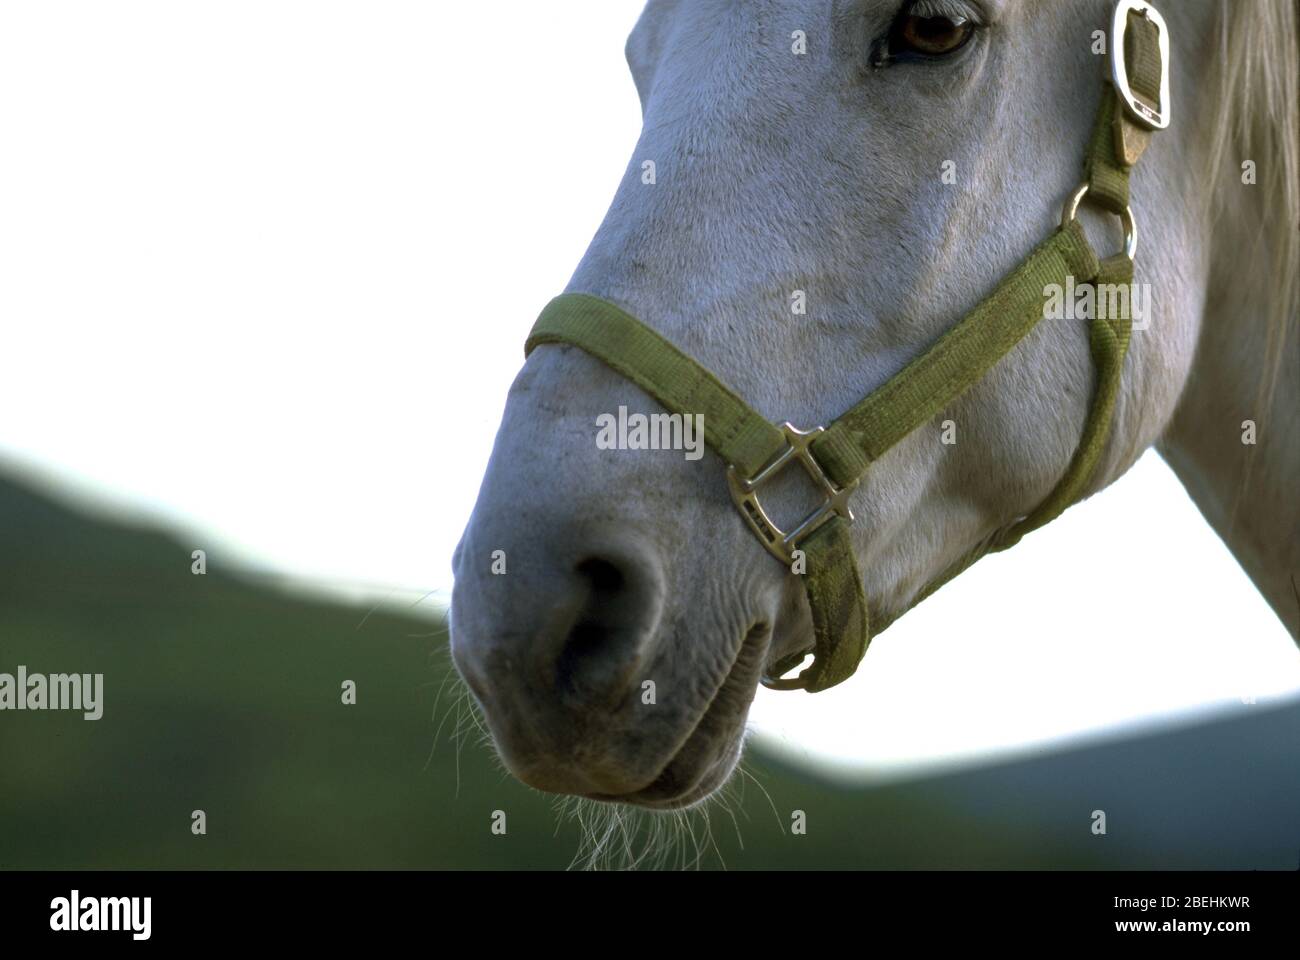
point(713, 746)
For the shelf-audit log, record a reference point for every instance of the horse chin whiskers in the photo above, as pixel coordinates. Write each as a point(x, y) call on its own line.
point(614, 836)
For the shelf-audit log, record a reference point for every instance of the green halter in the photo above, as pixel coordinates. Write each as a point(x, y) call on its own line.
point(836, 457)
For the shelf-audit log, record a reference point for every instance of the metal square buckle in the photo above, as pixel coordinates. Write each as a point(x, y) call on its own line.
point(1143, 113)
point(744, 492)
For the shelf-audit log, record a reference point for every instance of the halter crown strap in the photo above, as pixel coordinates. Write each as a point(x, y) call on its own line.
point(837, 457)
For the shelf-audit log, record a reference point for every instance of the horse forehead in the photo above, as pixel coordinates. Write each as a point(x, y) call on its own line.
point(700, 64)
point(742, 29)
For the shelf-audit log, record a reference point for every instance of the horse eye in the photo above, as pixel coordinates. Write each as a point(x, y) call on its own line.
point(930, 36)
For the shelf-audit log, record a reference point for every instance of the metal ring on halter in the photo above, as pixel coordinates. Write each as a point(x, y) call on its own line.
point(1126, 218)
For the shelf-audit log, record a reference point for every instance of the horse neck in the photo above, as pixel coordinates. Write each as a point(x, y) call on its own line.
point(1248, 353)
point(1247, 491)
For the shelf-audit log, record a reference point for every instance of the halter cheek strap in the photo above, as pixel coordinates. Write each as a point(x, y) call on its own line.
point(836, 457)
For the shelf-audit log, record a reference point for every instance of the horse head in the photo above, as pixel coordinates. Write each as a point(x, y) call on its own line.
point(821, 189)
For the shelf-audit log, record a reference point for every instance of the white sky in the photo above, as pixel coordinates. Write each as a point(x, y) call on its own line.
point(266, 270)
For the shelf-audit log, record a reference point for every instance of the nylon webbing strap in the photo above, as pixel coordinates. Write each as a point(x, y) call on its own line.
point(841, 626)
point(741, 438)
point(1117, 140)
point(1108, 340)
point(914, 396)
point(1107, 176)
point(625, 344)
point(956, 361)
point(1142, 55)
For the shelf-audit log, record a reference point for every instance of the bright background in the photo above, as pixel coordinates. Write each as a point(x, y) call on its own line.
point(243, 253)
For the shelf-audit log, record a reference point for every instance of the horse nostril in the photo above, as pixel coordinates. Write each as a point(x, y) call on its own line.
point(602, 646)
point(603, 576)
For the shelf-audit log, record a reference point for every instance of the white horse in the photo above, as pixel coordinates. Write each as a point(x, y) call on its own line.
point(618, 656)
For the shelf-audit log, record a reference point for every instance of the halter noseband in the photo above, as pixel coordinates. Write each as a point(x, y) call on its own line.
point(835, 457)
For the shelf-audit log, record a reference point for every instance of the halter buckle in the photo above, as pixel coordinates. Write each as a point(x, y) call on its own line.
point(744, 493)
point(1139, 110)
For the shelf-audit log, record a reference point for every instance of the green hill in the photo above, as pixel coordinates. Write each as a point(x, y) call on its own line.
point(223, 695)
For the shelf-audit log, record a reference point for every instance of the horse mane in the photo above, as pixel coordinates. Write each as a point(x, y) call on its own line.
point(1258, 118)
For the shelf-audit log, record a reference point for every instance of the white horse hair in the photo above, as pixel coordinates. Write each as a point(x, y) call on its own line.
point(777, 172)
